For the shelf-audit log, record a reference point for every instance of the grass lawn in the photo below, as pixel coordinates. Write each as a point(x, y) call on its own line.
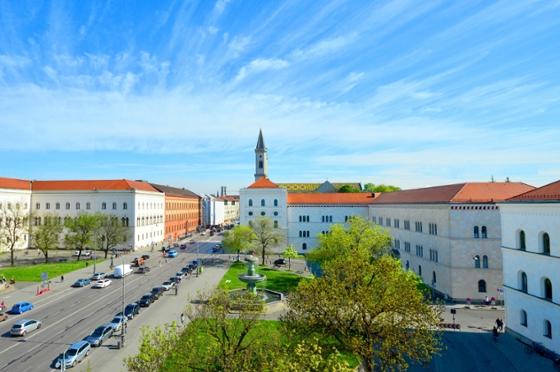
point(276, 280)
point(32, 273)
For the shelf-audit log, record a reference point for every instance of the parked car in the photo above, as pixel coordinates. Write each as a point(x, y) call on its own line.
point(215, 249)
point(143, 270)
point(118, 322)
point(185, 270)
point(183, 246)
point(84, 253)
point(145, 256)
point(280, 262)
point(24, 326)
point(73, 355)
point(180, 275)
point(175, 279)
point(171, 253)
point(101, 283)
point(192, 242)
point(167, 285)
point(81, 283)
point(101, 334)
point(146, 300)
point(98, 276)
point(157, 292)
point(138, 261)
point(131, 310)
point(21, 307)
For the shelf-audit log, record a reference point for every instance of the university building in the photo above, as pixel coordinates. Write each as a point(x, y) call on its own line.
point(531, 256)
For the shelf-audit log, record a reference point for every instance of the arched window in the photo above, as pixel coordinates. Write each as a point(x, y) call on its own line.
point(407, 265)
point(484, 262)
point(476, 261)
point(263, 203)
point(483, 232)
point(523, 318)
point(434, 278)
point(475, 232)
point(522, 244)
point(546, 244)
point(103, 205)
point(250, 202)
point(547, 329)
point(523, 282)
point(275, 202)
point(263, 213)
point(547, 289)
point(77, 205)
point(250, 213)
point(304, 246)
point(482, 286)
point(420, 270)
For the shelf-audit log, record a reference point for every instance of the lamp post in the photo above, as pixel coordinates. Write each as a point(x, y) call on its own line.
point(123, 280)
point(93, 257)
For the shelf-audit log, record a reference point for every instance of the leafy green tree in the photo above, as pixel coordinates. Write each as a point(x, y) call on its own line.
point(238, 239)
point(266, 236)
point(46, 236)
point(13, 227)
point(371, 307)
point(360, 235)
point(290, 253)
point(310, 356)
point(109, 232)
point(348, 188)
point(155, 346)
point(80, 232)
point(371, 187)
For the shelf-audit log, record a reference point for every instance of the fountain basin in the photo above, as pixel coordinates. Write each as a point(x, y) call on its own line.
point(252, 278)
point(267, 295)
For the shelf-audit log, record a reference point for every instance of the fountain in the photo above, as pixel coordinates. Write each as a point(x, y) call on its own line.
point(252, 278)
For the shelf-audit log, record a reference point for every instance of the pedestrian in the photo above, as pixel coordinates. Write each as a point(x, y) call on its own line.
point(62, 278)
point(497, 322)
point(500, 325)
point(495, 333)
point(182, 319)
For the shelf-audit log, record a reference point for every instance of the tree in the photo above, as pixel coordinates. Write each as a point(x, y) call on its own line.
point(46, 236)
point(371, 187)
point(360, 235)
point(266, 235)
point(348, 188)
point(155, 346)
point(290, 253)
point(372, 308)
point(238, 239)
point(109, 232)
point(81, 232)
point(13, 228)
point(310, 356)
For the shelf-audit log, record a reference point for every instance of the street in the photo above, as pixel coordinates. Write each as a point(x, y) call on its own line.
point(70, 314)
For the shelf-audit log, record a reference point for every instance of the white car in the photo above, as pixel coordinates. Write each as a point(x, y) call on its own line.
point(167, 285)
point(101, 283)
point(84, 253)
point(98, 276)
point(118, 322)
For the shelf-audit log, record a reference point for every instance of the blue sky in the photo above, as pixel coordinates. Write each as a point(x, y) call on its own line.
point(410, 93)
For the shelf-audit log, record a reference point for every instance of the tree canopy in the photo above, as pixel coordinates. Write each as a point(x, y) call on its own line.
point(265, 235)
point(81, 232)
point(46, 236)
point(348, 188)
point(371, 187)
point(238, 239)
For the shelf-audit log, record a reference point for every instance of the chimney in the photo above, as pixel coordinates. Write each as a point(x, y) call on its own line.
point(507, 179)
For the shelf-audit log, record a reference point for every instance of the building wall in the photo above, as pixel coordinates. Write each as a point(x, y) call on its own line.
point(449, 253)
point(181, 216)
point(10, 200)
point(231, 211)
point(534, 219)
point(318, 223)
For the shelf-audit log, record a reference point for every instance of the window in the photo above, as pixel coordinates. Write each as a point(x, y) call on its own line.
point(388, 222)
point(483, 232)
point(522, 245)
point(434, 278)
point(407, 265)
point(476, 233)
point(523, 318)
point(420, 251)
point(47, 205)
point(326, 219)
point(114, 205)
point(263, 213)
point(547, 289)
point(37, 206)
point(124, 206)
point(481, 286)
point(275, 224)
point(523, 280)
point(420, 270)
point(396, 223)
point(263, 203)
point(275, 213)
point(432, 229)
point(407, 247)
point(57, 206)
point(547, 329)
point(434, 255)
point(275, 202)
point(77, 205)
point(484, 262)
point(476, 262)
point(406, 225)
point(250, 202)
point(546, 244)
point(397, 244)
point(418, 226)
point(374, 219)
point(103, 205)
point(304, 246)
point(88, 205)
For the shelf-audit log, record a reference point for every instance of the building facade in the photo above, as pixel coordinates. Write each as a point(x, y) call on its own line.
point(15, 203)
point(449, 235)
point(531, 257)
point(214, 210)
point(231, 208)
point(182, 211)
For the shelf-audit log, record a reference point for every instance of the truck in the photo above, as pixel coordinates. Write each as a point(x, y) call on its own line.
point(122, 271)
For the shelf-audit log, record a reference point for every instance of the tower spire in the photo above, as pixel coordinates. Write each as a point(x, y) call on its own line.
point(261, 158)
point(260, 142)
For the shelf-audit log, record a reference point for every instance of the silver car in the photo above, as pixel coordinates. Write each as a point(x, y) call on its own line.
point(24, 326)
point(73, 355)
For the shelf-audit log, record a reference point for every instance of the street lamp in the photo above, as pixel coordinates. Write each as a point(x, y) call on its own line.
point(93, 257)
point(123, 280)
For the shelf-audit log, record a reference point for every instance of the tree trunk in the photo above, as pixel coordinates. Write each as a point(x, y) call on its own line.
point(79, 254)
point(46, 256)
point(12, 260)
point(238, 253)
point(263, 255)
point(289, 264)
point(106, 252)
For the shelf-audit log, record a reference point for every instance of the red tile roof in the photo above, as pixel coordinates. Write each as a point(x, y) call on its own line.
point(229, 197)
point(263, 183)
point(89, 185)
point(469, 192)
point(550, 192)
point(14, 183)
point(331, 198)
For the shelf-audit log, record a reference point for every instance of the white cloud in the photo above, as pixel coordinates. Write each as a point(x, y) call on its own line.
point(260, 65)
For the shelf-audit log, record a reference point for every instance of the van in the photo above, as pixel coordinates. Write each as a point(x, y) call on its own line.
point(121, 271)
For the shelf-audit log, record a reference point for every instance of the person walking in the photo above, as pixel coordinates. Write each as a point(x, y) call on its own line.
point(62, 278)
point(182, 319)
point(495, 334)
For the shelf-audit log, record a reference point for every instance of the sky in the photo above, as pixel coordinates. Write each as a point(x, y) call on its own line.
point(410, 93)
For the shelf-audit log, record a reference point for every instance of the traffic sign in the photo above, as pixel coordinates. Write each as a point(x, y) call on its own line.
point(44, 276)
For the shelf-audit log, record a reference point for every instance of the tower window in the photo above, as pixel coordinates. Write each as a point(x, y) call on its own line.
point(260, 164)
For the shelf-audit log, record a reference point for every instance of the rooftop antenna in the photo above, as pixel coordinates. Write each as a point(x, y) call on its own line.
point(492, 179)
point(507, 179)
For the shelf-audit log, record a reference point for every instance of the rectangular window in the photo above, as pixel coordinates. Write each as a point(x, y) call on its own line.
point(374, 219)
point(114, 205)
point(418, 226)
point(67, 205)
point(396, 223)
point(432, 229)
point(397, 244)
point(406, 224)
point(47, 205)
point(57, 206)
point(407, 247)
point(419, 251)
point(388, 222)
point(37, 205)
point(124, 206)
point(88, 205)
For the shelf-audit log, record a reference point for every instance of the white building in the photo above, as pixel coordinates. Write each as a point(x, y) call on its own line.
point(449, 235)
point(531, 256)
point(231, 208)
point(15, 202)
point(213, 210)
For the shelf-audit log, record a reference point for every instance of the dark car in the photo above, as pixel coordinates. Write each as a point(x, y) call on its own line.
point(131, 310)
point(146, 300)
point(142, 270)
point(101, 333)
point(183, 246)
point(157, 292)
point(145, 256)
point(185, 270)
point(279, 262)
point(81, 283)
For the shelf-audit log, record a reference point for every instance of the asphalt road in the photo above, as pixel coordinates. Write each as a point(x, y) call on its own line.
point(71, 314)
